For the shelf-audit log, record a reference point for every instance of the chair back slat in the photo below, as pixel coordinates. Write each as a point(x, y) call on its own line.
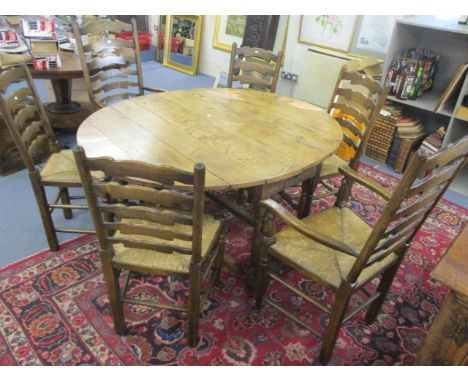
point(164, 198)
point(98, 46)
point(411, 203)
point(25, 116)
point(139, 205)
point(103, 26)
point(115, 85)
point(106, 74)
point(162, 175)
point(255, 82)
point(362, 80)
point(144, 230)
point(114, 97)
point(355, 104)
point(11, 76)
point(256, 67)
point(164, 217)
point(19, 97)
point(106, 59)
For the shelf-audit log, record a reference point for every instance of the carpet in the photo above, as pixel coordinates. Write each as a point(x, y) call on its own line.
point(54, 309)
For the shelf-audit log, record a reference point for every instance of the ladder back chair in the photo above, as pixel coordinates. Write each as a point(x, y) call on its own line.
point(256, 67)
point(337, 249)
point(150, 219)
point(111, 66)
point(355, 105)
point(30, 128)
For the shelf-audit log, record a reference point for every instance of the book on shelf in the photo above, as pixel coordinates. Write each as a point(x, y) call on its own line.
point(393, 153)
point(407, 146)
point(450, 91)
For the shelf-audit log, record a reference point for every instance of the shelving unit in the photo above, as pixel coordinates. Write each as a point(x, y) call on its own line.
point(450, 40)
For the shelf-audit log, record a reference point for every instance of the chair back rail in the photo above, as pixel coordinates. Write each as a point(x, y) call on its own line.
point(360, 98)
point(257, 67)
point(145, 201)
point(411, 203)
point(105, 61)
point(25, 116)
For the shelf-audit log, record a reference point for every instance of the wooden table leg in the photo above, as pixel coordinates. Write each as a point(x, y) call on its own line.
point(63, 103)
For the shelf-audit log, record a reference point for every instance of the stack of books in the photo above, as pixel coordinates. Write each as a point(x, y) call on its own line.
point(383, 132)
point(410, 132)
point(433, 142)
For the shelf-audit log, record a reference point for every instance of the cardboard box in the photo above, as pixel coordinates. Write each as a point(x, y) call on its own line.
point(45, 54)
point(8, 39)
point(39, 27)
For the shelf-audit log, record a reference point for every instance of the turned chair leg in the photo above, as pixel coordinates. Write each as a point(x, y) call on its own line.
point(307, 194)
point(383, 288)
point(194, 304)
point(219, 256)
point(111, 276)
point(65, 198)
point(43, 205)
point(343, 295)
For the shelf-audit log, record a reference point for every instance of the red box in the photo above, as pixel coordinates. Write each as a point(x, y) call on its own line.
point(144, 38)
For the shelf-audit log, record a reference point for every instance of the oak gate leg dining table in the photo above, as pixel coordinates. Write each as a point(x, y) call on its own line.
point(245, 138)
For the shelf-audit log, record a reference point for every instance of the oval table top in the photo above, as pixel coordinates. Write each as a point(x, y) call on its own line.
point(244, 137)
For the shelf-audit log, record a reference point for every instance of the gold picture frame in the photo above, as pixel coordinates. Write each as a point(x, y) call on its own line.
point(222, 40)
point(170, 59)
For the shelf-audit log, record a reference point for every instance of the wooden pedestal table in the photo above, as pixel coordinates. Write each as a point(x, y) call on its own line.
point(245, 138)
point(447, 340)
point(64, 113)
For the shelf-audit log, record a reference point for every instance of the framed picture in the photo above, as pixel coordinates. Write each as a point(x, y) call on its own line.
point(372, 35)
point(331, 32)
point(227, 30)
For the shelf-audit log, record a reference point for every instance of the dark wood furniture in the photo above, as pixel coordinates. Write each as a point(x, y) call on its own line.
point(256, 67)
point(447, 340)
point(27, 122)
point(150, 219)
point(106, 61)
point(355, 104)
point(260, 31)
point(246, 138)
point(337, 249)
point(64, 113)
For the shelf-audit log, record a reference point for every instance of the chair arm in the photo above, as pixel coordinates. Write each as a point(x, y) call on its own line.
point(298, 225)
point(355, 176)
point(154, 90)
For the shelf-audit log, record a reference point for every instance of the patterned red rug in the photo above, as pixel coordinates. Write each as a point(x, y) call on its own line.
point(54, 309)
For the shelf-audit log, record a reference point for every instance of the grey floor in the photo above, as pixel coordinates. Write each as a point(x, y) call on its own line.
point(21, 232)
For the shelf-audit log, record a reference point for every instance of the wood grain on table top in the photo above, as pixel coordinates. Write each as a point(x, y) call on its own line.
point(244, 137)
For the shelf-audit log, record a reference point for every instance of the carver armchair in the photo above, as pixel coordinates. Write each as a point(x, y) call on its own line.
point(340, 251)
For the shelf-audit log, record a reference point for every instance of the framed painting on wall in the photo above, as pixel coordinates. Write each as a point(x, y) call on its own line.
point(227, 30)
point(373, 34)
point(331, 32)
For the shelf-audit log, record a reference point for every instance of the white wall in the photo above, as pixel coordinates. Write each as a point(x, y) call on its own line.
point(213, 61)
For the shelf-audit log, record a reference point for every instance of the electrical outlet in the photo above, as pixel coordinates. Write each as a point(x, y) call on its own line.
point(288, 76)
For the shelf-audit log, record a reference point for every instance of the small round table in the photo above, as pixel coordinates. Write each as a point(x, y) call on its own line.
point(64, 113)
point(245, 138)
